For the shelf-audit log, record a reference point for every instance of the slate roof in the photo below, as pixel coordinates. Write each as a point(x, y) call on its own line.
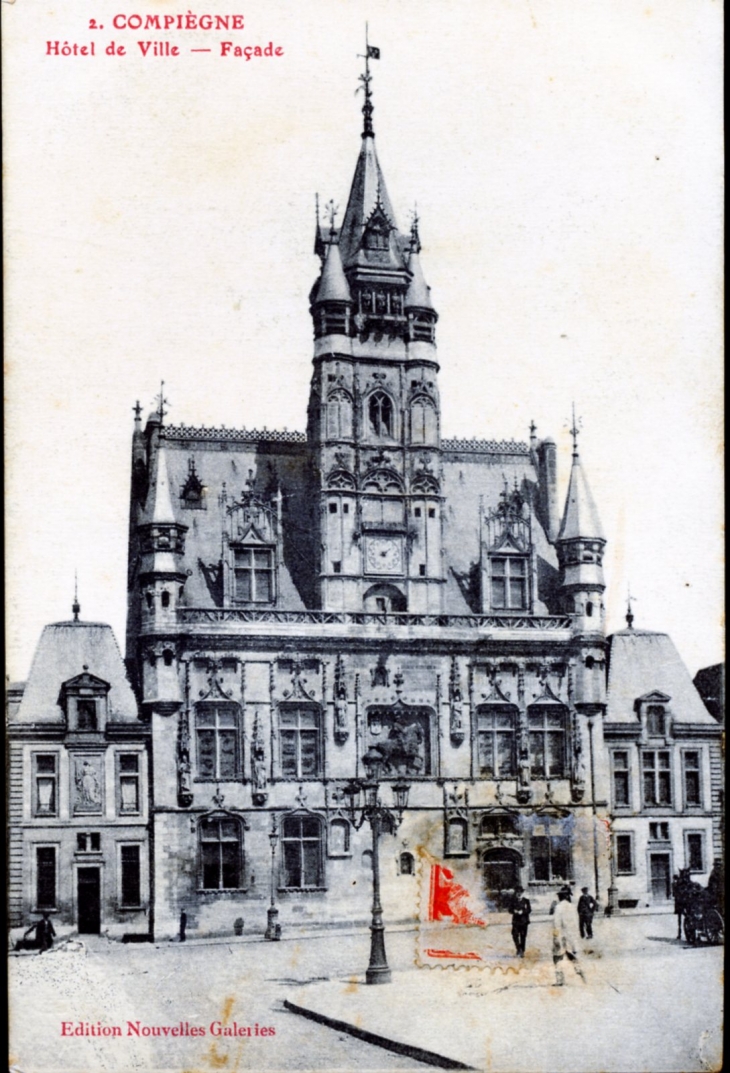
point(580, 517)
point(641, 661)
point(63, 650)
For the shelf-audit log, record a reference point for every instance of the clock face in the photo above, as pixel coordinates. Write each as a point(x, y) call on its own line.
point(384, 555)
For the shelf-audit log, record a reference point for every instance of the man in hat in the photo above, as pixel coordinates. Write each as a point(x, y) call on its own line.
point(521, 910)
point(565, 935)
point(587, 906)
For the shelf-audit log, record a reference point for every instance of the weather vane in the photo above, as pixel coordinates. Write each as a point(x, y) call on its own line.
point(371, 53)
point(629, 613)
point(575, 431)
point(161, 402)
point(331, 209)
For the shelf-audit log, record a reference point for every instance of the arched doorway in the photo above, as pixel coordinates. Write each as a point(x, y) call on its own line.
point(501, 870)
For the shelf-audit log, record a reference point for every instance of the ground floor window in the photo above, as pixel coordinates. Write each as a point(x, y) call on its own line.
point(550, 857)
point(221, 853)
point(624, 854)
point(45, 894)
point(130, 875)
point(302, 850)
point(694, 851)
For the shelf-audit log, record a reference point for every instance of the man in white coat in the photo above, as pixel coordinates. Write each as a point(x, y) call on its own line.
point(565, 935)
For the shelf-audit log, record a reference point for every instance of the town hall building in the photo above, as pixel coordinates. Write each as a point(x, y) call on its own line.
point(303, 606)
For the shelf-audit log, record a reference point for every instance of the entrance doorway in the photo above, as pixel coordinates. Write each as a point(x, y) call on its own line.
point(501, 876)
point(661, 886)
point(89, 900)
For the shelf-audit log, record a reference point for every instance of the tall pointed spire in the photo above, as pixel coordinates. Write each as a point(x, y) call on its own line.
point(76, 606)
point(580, 517)
point(160, 510)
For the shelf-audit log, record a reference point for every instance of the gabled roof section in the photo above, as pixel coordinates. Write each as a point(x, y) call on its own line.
point(643, 663)
point(580, 517)
point(367, 193)
point(64, 651)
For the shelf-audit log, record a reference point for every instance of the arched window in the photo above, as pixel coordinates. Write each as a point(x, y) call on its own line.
point(339, 416)
point(221, 853)
point(423, 422)
point(384, 599)
point(380, 414)
point(655, 721)
point(406, 864)
point(302, 850)
point(547, 740)
point(496, 740)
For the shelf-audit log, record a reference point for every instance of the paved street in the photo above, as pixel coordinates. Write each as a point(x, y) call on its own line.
point(643, 992)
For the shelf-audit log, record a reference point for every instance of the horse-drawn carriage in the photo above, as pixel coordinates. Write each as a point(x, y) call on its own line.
point(699, 909)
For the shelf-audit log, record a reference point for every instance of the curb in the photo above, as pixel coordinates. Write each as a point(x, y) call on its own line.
point(420, 1054)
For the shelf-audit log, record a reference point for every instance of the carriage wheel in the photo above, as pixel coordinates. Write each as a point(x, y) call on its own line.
point(714, 927)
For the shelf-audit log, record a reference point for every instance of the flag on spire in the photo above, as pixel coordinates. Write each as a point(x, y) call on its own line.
point(373, 53)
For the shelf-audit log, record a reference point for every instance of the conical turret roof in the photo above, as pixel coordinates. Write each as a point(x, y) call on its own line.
point(159, 510)
point(419, 292)
point(580, 517)
point(333, 286)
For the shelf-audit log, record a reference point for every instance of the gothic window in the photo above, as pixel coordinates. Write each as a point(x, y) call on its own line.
point(216, 728)
point(221, 853)
point(547, 741)
point(691, 772)
point(624, 848)
point(509, 582)
point(128, 795)
point(45, 788)
point(302, 851)
point(253, 572)
point(380, 415)
point(45, 877)
point(300, 735)
point(375, 239)
point(656, 721)
point(499, 827)
point(192, 493)
point(130, 875)
point(550, 858)
point(424, 426)
point(496, 731)
point(621, 797)
point(657, 778)
point(339, 416)
point(384, 599)
point(406, 864)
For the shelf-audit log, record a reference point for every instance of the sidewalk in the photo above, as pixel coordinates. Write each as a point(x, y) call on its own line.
point(646, 1004)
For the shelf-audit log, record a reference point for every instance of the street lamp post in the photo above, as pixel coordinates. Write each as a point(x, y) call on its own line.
point(273, 928)
point(365, 805)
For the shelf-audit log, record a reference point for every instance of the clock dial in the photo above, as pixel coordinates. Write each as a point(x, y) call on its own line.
point(384, 555)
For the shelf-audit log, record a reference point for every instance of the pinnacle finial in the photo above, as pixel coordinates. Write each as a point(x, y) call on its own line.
point(162, 402)
point(575, 432)
point(137, 413)
point(415, 237)
point(371, 53)
point(76, 606)
point(629, 613)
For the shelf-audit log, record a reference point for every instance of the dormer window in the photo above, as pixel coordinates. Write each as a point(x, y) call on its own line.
point(509, 582)
point(86, 714)
point(656, 721)
point(253, 572)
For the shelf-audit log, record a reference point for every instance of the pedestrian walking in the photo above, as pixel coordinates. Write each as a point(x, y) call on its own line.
point(183, 925)
point(565, 935)
point(521, 910)
point(587, 906)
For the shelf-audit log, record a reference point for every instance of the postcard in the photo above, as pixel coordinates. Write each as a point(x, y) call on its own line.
point(364, 681)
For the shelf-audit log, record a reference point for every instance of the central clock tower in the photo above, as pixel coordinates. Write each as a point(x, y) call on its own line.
point(374, 417)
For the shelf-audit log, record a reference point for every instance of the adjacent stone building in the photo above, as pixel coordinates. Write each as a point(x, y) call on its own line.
point(78, 787)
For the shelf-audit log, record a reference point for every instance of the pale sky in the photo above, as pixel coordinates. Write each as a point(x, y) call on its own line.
point(566, 160)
